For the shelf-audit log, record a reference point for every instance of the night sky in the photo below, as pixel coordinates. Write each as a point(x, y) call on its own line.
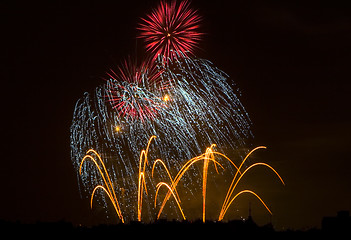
point(291, 62)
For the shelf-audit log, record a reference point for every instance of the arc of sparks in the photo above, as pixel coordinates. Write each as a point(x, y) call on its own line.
point(227, 202)
point(253, 193)
point(158, 186)
point(168, 173)
point(141, 182)
point(231, 188)
point(109, 189)
point(207, 157)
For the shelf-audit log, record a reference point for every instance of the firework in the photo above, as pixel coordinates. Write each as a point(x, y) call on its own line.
point(197, 108)
point(185, 103)
point(171, 27)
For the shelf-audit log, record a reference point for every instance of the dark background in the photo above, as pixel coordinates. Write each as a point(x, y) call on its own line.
point(290, 60)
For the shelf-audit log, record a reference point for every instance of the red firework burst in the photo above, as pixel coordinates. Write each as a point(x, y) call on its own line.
point(136, 91)
point(171, 27)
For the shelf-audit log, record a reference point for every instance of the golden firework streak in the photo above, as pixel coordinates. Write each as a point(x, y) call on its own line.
point(109, 189)
point(160, 184)
point(141, 181)
point(169, 175)
point(233, 185)
point(207, 157)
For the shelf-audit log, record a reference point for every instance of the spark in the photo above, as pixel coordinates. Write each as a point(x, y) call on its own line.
point(166, 98)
